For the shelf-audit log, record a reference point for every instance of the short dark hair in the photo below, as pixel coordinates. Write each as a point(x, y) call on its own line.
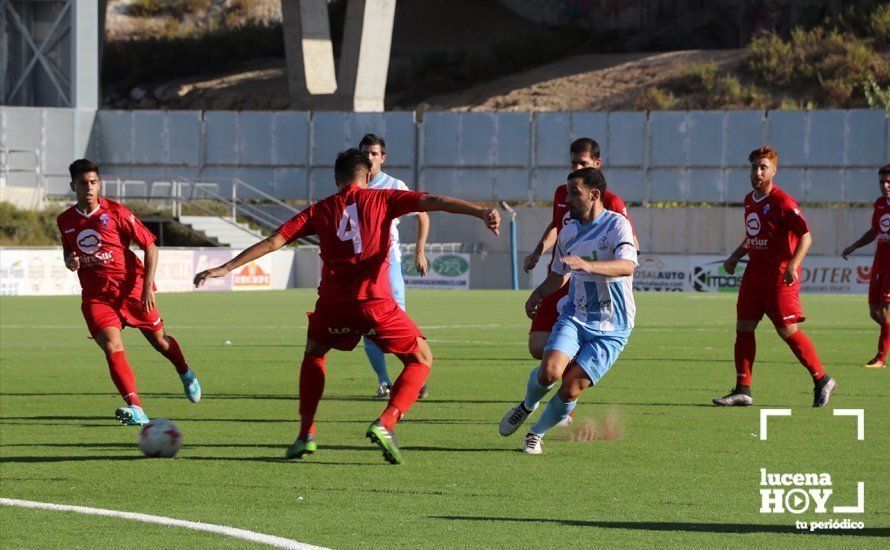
point(884, 170)
point(348, 165)
point(591, 177)
point(585, 145)
point(372, 139)
point(82, 166)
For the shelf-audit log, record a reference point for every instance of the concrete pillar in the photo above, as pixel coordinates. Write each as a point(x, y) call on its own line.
point(364, 62)
point(311, 78)
point(85, 55)
point(360, 81)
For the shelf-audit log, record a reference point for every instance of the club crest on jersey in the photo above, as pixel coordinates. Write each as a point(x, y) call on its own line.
point(766, 209)
point(752, 224)
point(88, 241)
point(104, 219)
point(604, 243)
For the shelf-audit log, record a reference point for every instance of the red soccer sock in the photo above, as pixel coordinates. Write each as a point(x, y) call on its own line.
point(123, 377)
point(884, 342)
point(805, 352)
point(312, 375)
point(404, 393)
point(745, 350)
point(174, 355)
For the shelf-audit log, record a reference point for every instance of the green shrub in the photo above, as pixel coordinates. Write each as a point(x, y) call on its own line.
point(28, 227)
point(172, 8)
point(656, 99)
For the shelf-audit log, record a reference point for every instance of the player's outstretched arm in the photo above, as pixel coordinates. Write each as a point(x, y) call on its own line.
point(865, 239)
point(548, 239)
point(433, 203)
point(610, 268)
point(551, 284)
point(732, 261)
point(423, 231)
point(270, 244)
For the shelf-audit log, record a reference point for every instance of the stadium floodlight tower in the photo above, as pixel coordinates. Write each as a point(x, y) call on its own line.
point(49, 53)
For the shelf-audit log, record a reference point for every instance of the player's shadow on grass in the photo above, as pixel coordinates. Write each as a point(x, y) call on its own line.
point(137, 457)
point(738, 528)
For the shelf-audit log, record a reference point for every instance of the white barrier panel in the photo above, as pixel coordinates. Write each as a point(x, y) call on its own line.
point(704, 273)
point(446, 270)
point(35, 272)
point(42, 271)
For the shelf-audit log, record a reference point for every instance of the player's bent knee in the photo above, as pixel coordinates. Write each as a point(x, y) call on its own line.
point(786, 332)
point(112, 346)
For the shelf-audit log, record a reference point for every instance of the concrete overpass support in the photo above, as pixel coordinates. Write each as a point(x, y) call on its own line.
point(360, 82)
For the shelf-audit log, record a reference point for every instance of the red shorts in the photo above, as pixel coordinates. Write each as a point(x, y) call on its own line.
point(879, 287)
point(780, 303)
point(546, 314)
point(341, 326)
point(121, 312)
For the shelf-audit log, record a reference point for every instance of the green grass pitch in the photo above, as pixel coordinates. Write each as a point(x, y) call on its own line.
point(682, 474)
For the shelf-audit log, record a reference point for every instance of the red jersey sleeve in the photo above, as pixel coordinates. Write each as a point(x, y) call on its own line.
point(795, 220)
point(876, 218)
point(66, 250)
point(559, 200)
point(400, 203)
point(299, 226)
point(132, 226)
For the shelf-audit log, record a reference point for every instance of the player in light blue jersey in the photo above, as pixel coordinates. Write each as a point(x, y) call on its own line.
point(375, 147)
point(596, 255)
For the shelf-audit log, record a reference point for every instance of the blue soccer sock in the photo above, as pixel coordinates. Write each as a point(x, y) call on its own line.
point(378, 361)
point(534, 391)
point(555, 412)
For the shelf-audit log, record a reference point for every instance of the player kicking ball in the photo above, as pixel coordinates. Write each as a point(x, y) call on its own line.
point(596, 255)
point(354, 297)
point(118, 290)
point(777, 240)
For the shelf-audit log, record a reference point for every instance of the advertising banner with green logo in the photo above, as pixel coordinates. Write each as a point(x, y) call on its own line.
point(705, 273)
point(446, 270)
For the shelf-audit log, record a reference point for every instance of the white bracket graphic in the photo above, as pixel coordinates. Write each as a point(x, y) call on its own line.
point(860, 502)
point(765, 414)
point(860, 420)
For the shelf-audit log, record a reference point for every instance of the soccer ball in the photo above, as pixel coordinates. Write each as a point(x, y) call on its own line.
point(160, 438)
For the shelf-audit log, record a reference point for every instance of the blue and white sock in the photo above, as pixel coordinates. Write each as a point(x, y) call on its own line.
point(534, 391)
point(555, 412)
point(378, 361)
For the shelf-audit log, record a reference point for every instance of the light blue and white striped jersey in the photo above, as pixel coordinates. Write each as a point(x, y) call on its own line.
point(601, 304)
point(385, 181)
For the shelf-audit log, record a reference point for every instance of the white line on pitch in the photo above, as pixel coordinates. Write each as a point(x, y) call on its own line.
point(271, 540)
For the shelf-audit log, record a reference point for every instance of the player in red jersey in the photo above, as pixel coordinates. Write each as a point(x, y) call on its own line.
point(777, 240)
point(118, 290)
point(354, 297)
point(584, 153)
point(879, 287)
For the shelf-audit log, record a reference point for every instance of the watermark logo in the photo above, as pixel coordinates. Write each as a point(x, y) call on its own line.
point(800, 492)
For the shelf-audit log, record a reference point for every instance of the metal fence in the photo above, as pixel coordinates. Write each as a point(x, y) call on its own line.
point(699, 156)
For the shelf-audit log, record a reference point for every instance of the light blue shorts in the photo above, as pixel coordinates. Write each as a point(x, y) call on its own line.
point(594, 351)
point(396, 280)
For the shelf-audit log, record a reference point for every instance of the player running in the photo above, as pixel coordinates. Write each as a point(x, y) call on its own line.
point(879, 287)
point(354, 298)
point(596, 256)
point(118, 290)
point(776, 243)
point(375, 148)
point(584, 153)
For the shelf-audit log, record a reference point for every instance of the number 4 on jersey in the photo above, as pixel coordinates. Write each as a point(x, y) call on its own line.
point(349, 228)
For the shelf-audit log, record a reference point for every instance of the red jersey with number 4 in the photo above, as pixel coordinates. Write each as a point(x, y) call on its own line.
point(880, 222)
point(353, 232)
point(101, 240)
point(611, 201)
point(773, 227)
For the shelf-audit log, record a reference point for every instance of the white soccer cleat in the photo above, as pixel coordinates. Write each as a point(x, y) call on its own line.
point(566, 422)
point(532, 444)
point(513, 419)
